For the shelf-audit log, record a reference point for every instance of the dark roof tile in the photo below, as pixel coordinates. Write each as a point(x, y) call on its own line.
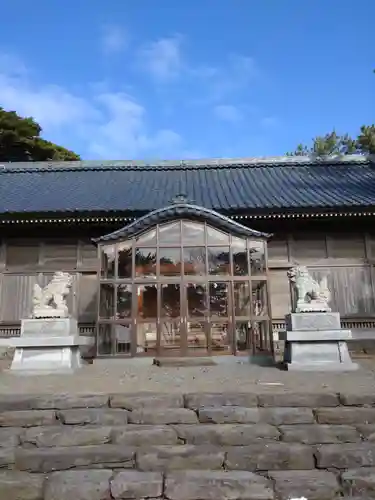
point(226, 185)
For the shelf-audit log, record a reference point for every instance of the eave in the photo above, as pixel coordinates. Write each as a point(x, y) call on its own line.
point(115, 217)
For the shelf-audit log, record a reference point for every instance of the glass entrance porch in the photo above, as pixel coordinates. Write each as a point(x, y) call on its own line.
point(183, 288)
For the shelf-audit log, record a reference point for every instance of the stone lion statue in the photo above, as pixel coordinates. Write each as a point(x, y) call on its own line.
point(49, 302)
point(311, 295)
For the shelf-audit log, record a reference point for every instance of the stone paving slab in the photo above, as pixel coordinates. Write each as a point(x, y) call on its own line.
point(193, 446)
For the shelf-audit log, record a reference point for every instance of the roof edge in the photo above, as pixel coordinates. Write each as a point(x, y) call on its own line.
point(14, 167)
point(178, 211)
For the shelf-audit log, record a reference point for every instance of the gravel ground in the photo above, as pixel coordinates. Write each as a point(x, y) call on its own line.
point(231, 374)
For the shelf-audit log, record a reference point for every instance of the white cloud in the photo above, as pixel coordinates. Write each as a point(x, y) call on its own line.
point(103, 124)
point(162, 58)
point(227, 112)
point(114, 39)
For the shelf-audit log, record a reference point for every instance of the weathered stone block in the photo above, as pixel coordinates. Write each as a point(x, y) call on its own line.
point(166, 416)
point(357, 399)
point(136, 484)
point(144, 435)
point(229, 415)
point(345, 415)
point(367, 431)
point(80, 457)
point(284, 416)
point(312, 484)
point(46, 402)
point(15, 485)
point(200, 400)
point(94, 416)
point(146, 400)
point(45, 437)
point(78, 485)
point(27, 418)
point(270, 456)
point(309, 400)
point(182, 457)
point(217, 485)
point(359, 482)
point(10, 436)
point(319, 434)
point(345, 456)
point(313, 321)
point(226, 434)
point(7, 457)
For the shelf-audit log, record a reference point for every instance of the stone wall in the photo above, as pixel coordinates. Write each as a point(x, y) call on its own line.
point(187, 447)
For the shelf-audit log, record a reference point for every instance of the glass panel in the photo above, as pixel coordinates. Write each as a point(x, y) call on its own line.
point(122, 337)
point(170, 261)
point(215, 237)
point(259, 298)
point(194, 261)
point(170, 301)
point(243, 332)
point(147, 338)
point(220, 338)
point(170, 234)
point(197, 300)
point(196, 335)
point(170, 334)
point(104, 340)
point(192, 233)
point(124, 301)
point(147, 296)
point(107, 265)
point(147, 238)
point(124, 266)
point(145, 262)
point(257, 257)
point(261, 336)
point(241, 298)
point(107, 301)
point(240, 264)
point(218, 260)
point(218, 299)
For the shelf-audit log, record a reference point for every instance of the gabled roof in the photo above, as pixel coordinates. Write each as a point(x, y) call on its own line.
point(182, 211)
point(247, 185)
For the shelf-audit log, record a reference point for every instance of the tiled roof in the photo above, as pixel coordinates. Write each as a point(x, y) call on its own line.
point(228, 186)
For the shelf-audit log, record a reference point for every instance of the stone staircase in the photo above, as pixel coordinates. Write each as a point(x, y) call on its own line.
point(187, 447)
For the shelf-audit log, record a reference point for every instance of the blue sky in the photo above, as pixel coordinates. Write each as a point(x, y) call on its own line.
point(130, 79)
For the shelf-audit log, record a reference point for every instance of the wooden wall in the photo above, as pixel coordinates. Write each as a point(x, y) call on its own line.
point(346, 258)
point(25, 262)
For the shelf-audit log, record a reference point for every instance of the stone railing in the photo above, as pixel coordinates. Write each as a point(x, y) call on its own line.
point(187, 447)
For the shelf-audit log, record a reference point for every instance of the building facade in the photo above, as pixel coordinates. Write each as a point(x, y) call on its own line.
point(190, 257)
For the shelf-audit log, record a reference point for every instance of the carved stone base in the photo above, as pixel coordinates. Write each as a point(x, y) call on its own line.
point(318, 356)
point(56, 355)
point(46, 346)
point(50, 313)
point(315, 342)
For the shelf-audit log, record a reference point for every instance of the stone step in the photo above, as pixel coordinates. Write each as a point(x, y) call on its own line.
point(269, 446)
point(184, 361)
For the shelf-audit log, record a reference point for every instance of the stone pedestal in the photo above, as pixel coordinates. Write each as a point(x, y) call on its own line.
point(316, 342)
point(46, 346)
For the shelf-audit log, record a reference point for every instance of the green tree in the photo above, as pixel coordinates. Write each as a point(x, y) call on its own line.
point(20, 141)
point(333, 143)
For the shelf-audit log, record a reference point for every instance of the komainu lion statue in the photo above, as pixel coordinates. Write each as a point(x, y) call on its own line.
point(49, 302)
point(311, 295)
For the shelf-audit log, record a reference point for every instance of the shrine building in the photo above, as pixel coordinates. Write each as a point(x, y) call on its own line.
point(189, 257)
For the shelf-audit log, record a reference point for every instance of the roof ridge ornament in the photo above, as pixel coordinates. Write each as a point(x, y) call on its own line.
point(179, 198)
